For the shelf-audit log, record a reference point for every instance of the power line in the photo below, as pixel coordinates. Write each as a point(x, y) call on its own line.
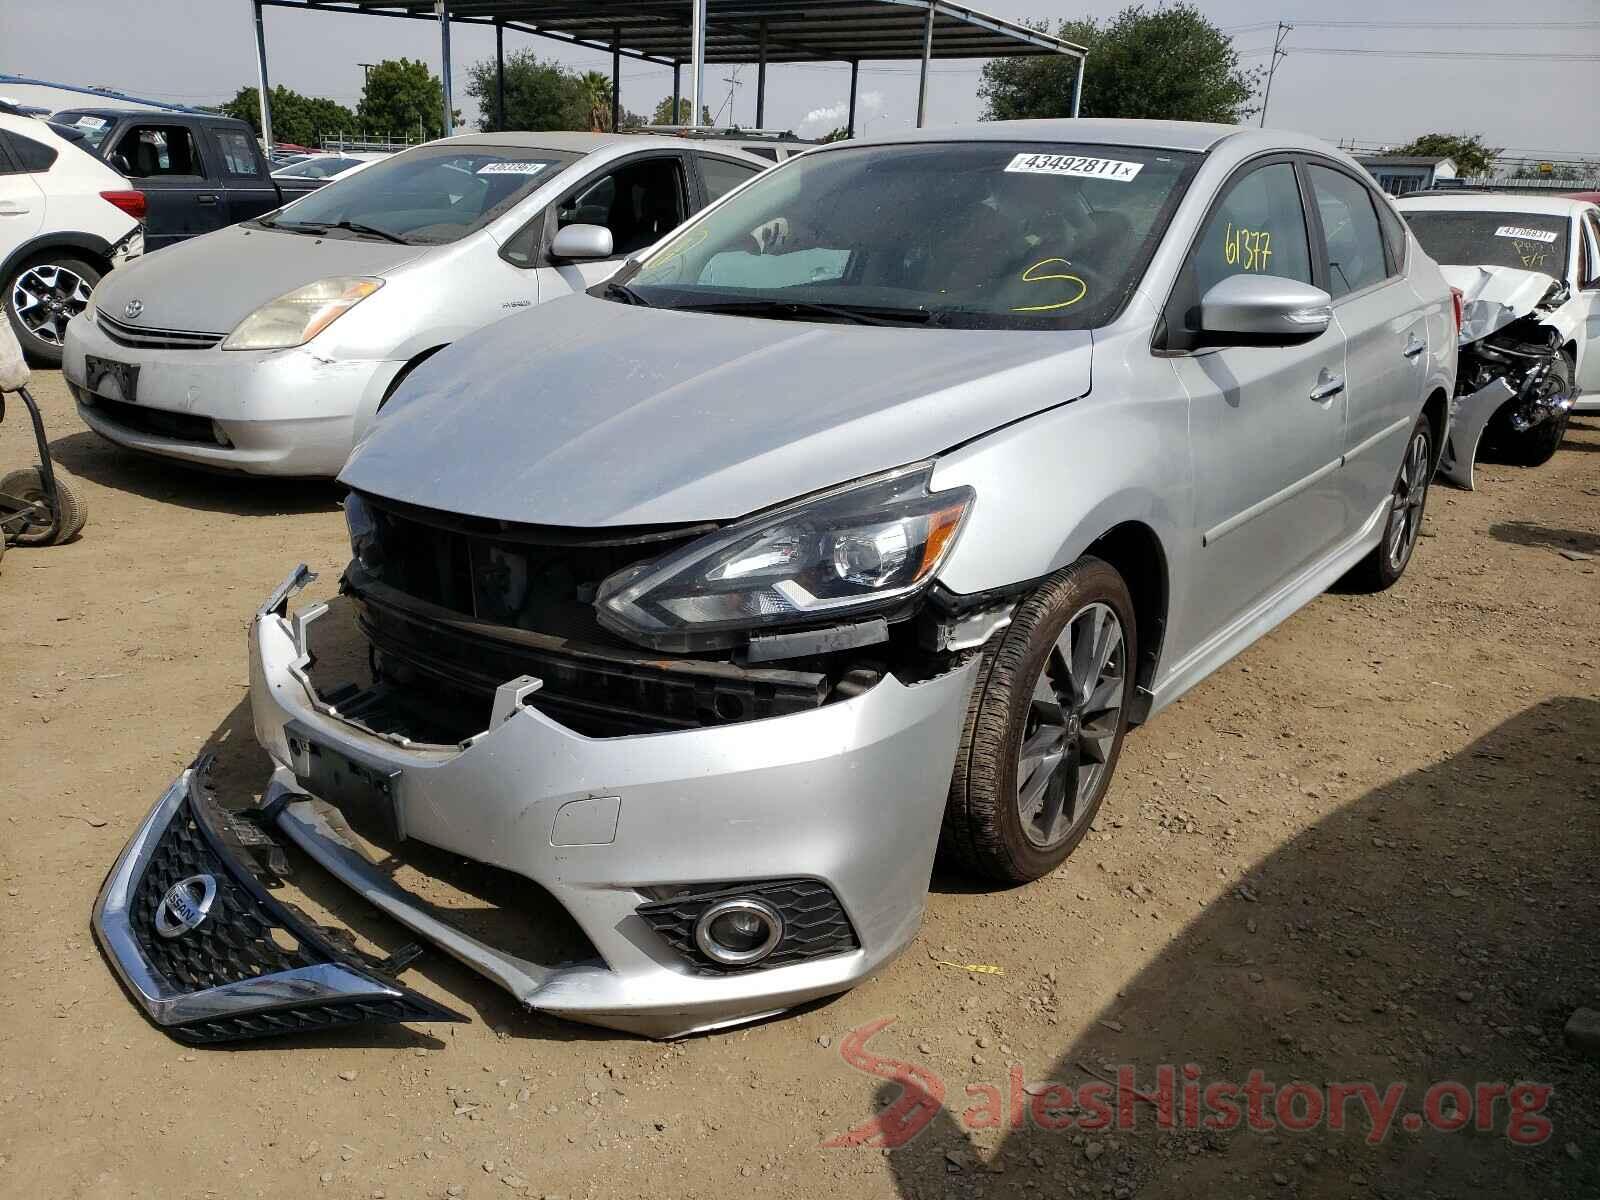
point(1498, 55)
point(1337, 24)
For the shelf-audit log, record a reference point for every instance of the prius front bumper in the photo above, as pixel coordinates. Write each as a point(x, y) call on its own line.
point(835, 810)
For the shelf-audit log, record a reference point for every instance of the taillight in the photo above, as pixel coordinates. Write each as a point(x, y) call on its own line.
point(130, 202)
point(1455, 299)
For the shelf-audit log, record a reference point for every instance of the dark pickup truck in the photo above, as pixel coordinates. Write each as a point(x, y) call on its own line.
point(198, 172)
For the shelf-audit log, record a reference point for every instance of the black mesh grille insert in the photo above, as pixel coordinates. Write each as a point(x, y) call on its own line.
point(814, 925)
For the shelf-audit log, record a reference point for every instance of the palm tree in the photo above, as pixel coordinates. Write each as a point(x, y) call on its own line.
point(595, 88)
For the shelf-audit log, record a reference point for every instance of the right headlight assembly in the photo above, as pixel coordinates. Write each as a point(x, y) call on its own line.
point(863, 547)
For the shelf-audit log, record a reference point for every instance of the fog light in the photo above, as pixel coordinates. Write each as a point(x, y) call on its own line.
point(737, 933)
point(218, 436)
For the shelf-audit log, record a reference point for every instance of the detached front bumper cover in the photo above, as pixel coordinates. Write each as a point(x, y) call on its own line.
point(210, 956)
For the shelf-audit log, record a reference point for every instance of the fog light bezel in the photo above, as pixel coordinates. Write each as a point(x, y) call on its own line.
point(738, 958)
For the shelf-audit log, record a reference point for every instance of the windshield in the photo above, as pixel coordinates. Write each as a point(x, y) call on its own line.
point(1527, 241)
point(973, 234)
point(427, 196)
point(90, 128)
point(317, 168)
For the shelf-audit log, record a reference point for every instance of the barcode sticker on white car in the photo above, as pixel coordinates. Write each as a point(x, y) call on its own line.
point(1524, 234)
point(1075, 165)
point(512, 168)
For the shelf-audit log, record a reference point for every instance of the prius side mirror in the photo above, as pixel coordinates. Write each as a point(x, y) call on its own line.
point(1264, 309)
point(582, 241)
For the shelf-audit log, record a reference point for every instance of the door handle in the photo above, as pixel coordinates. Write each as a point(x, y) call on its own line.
point(206, 198)
point(1328, 385)
point(9, 209)
point(1414, 346)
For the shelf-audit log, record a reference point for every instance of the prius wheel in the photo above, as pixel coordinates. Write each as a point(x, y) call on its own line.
point(1386, 562)
point(41, 297)
point(1044, 727)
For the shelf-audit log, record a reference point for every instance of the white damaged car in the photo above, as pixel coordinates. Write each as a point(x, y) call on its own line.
point(1527, 269)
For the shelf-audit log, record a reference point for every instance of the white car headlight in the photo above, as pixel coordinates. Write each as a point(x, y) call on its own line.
point(296, 317)
point(867, 546)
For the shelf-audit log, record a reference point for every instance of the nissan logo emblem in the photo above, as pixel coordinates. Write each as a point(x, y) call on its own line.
point(185, 906)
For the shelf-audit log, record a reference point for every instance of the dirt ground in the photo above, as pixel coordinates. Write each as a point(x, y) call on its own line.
point(1363, 851)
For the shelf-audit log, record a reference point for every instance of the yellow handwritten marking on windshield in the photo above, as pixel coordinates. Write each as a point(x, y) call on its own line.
point(676, 250)
point(1031, 276)
point(1250, 249)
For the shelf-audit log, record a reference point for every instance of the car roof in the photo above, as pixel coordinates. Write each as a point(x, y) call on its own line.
point(553, 139)
point(166, 113)
point(1508, 202)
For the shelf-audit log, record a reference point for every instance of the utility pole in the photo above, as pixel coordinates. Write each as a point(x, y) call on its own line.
point(366, 71)
point(733, 82)
point(1278, 54)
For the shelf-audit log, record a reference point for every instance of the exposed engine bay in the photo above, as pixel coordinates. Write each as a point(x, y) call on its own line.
point(1514, 384)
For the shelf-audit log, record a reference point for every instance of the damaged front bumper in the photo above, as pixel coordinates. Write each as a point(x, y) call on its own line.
point(828, 817)
point(210, 956)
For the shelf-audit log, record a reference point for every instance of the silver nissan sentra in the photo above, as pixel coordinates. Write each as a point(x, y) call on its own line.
point(857, 522)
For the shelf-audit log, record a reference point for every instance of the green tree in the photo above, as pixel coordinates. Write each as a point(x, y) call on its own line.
point(837, 134)
point(304, 120)
point(595, 88)
point(1466, 150)
point(1168, 63)
point(402, 97)
point(540, 94)
point(665, 116)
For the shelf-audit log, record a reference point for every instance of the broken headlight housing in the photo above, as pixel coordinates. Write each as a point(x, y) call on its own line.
point(296, 317)
point(863, 547)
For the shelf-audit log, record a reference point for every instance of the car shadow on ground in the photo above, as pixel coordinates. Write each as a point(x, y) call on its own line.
point(1442, 927)
point(1526, 533)
point(89, 456)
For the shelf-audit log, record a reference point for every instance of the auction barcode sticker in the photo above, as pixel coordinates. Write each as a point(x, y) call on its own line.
point(511, 168)
point(1075, 165)
point(1523, 234)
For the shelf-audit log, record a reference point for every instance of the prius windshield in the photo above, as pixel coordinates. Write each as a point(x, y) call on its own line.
point(424, 197)
point(966, 234)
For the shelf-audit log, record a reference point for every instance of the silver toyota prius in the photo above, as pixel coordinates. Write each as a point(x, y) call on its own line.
point(266, 348)
point(854, 524)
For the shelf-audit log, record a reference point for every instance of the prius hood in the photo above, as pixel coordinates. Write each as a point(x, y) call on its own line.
point(1493, 297)
point(586, 412)
point(209, 284)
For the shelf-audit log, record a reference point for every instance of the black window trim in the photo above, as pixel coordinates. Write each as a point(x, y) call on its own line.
point(687, 182)
point(1314, 214)
point(1166, 333)
point(700, 179)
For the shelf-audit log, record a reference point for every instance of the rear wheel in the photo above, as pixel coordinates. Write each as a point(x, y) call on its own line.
point(1386, 562)
point(41, 296)
point(1044, 727)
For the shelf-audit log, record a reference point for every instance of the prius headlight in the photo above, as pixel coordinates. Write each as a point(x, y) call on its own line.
point(296, 317)
point(865, 546)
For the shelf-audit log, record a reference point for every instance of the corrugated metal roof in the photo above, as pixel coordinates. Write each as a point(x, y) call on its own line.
point(818, 31)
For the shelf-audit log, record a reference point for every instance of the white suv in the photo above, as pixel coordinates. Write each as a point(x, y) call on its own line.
point(65, 220)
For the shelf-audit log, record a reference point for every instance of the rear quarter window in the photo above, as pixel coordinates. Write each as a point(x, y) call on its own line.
point(30, 156)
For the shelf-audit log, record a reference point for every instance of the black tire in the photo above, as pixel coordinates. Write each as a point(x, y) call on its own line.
point(984, 828)
point(53, 280)
point(1536, 446)
point(28, 484)
point(1387, 561)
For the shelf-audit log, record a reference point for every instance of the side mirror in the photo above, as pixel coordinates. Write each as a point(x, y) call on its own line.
point(1264, 308)
point(582, 241)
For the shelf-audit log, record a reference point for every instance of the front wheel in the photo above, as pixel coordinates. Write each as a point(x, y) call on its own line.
point(1386, 562)
point(41, 296)
point(1044, 727)
point(1534, 447)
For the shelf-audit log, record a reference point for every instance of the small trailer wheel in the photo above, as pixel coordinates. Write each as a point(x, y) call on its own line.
point(28, 484)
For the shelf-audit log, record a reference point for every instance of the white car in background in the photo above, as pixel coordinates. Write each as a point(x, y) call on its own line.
point(326, 167)
point(66, 219)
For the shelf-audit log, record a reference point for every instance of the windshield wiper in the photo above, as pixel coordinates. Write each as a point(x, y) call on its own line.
point(793, 310)
point(350, 226)
point(624, 293)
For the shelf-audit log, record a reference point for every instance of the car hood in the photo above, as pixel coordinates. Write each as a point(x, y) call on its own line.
point(1493, 297)
point(209, 284)
point(586, 412)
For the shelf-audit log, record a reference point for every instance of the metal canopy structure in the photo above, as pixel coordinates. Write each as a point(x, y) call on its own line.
point(676, 33)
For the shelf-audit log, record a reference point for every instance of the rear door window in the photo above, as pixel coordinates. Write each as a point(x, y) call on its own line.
point(158, 152)
point(722, 175)
point(238, 152)
point(1350, 229)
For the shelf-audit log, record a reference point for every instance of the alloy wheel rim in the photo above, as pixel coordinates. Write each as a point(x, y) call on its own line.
point(1072, 722)
point(46, 297)
point(1410, 493)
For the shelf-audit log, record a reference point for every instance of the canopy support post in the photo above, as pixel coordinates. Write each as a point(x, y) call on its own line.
point(616, 79)
point(499, 75)
point(264, 93)
point(761, 80)
point(927, 53)
point(697, 61)
point(850, 118)
point(442, 10)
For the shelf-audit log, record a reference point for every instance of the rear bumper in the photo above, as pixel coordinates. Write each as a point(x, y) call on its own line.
point(283, 412)
point(228, 977)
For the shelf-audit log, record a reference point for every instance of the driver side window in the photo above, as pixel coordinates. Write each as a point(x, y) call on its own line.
point(640, 202)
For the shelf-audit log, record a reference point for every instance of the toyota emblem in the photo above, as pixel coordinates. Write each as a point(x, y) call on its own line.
point(133, 309)
point(185, 906)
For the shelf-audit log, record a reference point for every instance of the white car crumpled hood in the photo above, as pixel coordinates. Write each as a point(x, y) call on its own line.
point(586, 413)
point(1493, 297)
